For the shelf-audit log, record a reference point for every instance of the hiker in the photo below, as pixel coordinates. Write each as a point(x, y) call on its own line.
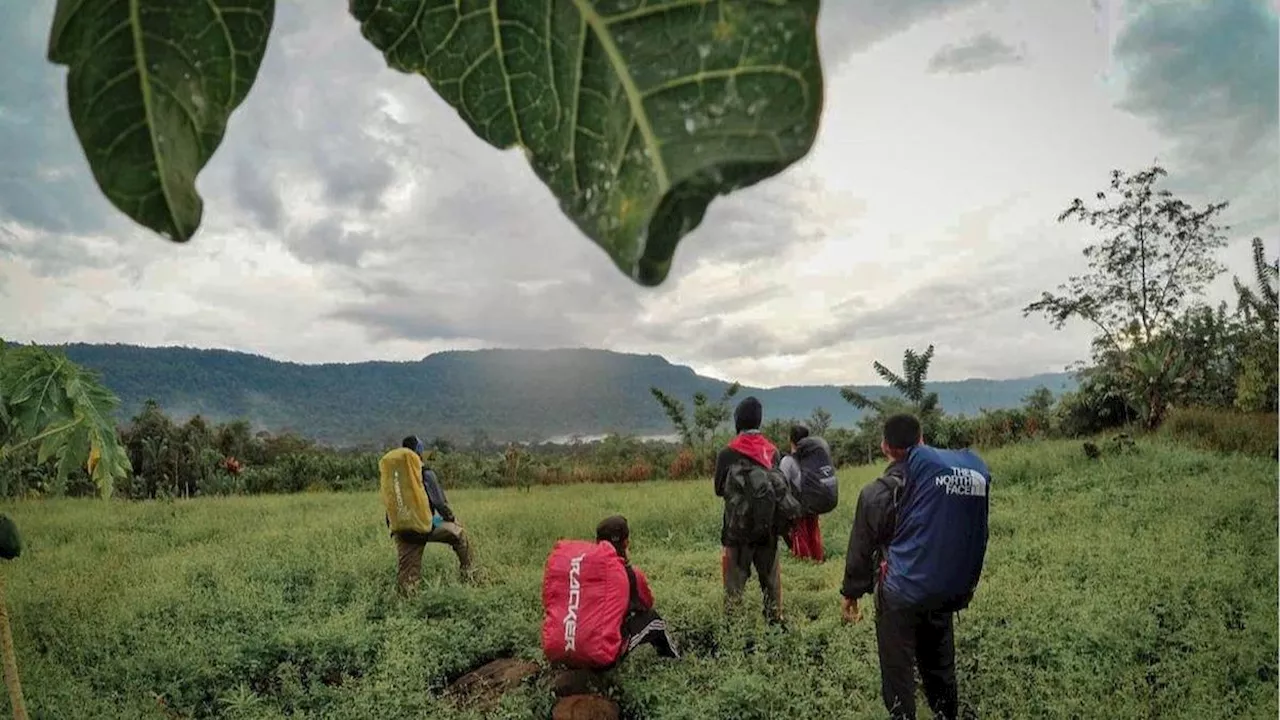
point(417, 513)
point(812, 476)
point(750, 528)
point(597, 607)
point(918, 542)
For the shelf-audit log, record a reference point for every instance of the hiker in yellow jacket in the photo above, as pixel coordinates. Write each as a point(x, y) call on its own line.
point(417, 513)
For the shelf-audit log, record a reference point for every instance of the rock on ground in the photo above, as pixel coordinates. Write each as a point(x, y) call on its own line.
point(486, 685)
point(585, 707)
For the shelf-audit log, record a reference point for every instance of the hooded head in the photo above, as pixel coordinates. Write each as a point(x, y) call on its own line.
point(614, 530)
point(748, 415)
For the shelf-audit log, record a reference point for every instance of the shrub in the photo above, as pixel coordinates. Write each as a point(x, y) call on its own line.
point(1224, 431)
point(640, 471)
point(683, 466)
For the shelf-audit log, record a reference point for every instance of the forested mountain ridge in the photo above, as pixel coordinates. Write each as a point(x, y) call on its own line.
point(501, 394)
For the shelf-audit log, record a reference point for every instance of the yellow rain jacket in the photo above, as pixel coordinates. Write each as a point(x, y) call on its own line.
point(405, 500)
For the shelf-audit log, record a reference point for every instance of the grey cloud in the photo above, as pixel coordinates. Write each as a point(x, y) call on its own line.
point(328, 242)
point(977, 54)
point(1206, 74)
point(45, 181)
point(847, 27)
point(254, 193)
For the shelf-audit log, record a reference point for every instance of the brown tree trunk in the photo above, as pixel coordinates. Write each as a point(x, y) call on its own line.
point(10, 660)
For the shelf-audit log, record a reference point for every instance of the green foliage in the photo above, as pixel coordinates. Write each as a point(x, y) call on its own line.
point(1257, 388)
point(510, 395)
point(61, 411)
point(698, 432)
point(1225, 431)
point(819, 421)
point(1152, 262)
point(915, 399)
point(910, 385)
point(150, 86)
point(635, 116)
point(1137, 586)
point(1156, 253)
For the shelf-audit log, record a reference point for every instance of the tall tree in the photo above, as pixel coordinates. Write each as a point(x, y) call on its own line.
point(820, 421)
point(707, 417)
point(1154, 257)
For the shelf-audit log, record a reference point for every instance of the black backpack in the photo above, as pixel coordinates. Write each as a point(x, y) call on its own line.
point(758, 504)
point(819, 488)
point(896, 485)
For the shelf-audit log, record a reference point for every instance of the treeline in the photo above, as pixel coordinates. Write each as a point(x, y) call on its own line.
point(1162, 360)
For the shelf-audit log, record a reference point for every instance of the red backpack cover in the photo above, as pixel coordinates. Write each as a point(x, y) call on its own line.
point(585, 593)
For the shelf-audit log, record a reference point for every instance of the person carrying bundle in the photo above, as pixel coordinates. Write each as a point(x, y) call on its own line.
point(812, 475)
point(597, 607)
point(417, 513)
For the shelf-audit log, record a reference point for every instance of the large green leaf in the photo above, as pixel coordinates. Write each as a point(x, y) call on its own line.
point(62, 409)
point(636, 113)
point(150, 86)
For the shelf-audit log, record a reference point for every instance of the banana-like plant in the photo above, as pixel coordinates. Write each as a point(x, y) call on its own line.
point(63, 410)
point(49, 402)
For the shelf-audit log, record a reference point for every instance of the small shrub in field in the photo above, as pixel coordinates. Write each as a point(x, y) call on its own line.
point(1223, 431)
point(640, 471)
point(682, 466)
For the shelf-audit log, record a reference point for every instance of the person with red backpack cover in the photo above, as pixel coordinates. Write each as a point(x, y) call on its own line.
point(597, 608)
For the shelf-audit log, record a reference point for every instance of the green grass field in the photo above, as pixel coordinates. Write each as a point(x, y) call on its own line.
point(1141, 586)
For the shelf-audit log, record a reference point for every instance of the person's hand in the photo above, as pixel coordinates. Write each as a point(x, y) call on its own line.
point(849, 611)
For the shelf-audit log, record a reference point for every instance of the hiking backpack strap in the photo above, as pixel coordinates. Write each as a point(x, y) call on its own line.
point(894, 483)
point(633, 596)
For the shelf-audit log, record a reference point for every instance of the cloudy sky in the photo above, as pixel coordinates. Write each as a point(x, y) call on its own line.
point(351, 215)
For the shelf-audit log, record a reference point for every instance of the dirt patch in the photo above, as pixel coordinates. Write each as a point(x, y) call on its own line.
point(565, 683)
point(585, 707)
point(485, 686)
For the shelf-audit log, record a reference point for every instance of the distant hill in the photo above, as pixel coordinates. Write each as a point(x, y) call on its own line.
point(504, 394)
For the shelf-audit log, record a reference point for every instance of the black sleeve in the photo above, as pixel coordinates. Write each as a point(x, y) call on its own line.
point(723, 460)
point(869, 521)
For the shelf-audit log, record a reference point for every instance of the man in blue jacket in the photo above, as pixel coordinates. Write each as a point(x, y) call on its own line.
point(918, 542)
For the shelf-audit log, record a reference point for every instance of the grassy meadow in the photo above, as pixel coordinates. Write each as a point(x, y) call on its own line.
point(1142, 585)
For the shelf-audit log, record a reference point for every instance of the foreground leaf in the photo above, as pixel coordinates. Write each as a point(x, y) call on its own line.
point(150, 86)
point(635, 114)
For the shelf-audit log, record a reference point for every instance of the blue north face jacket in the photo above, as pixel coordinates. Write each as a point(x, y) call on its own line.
point(940, 543)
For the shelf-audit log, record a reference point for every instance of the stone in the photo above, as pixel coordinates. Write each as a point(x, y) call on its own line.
point(586, 707)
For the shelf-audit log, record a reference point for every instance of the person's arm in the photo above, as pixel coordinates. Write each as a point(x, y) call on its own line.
point(791, 471)
point(642, 589)
point(723, 460)
point(435, 494)
point(869, 519)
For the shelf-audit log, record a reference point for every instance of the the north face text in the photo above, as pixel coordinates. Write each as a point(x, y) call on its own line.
point(963, 481)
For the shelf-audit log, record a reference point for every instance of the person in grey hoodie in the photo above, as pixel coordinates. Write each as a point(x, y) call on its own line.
point(805, 539)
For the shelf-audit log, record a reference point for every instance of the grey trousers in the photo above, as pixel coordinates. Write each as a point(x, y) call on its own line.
point(736, 564)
